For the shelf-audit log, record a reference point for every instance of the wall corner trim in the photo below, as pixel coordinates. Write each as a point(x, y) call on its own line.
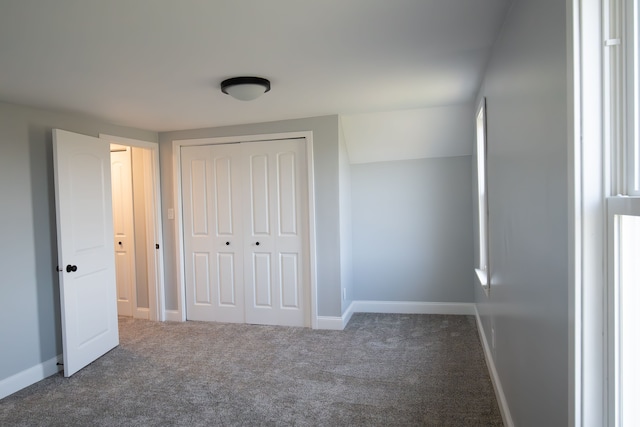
point(30, 376)
point(493, 373)
point(335, 323)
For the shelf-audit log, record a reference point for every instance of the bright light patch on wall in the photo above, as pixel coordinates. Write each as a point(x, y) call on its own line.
point(482, 187)
point(482, 270)
point(408, 134)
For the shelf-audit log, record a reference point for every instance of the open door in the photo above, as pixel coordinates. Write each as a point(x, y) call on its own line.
point(82, 169)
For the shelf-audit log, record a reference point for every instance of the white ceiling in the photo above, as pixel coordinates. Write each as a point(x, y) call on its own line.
point(157, 64)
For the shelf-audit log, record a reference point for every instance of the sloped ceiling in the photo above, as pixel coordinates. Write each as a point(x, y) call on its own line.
point(408, 134)
point(157, 64)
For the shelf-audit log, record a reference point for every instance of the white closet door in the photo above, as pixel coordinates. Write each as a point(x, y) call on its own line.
point(211, 191)
point(276, 259)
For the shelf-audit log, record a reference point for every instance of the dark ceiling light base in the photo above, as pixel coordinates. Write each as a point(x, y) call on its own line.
point(245, 88)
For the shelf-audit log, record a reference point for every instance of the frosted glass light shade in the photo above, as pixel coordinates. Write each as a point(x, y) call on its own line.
point(245, 92)
point(245, 88)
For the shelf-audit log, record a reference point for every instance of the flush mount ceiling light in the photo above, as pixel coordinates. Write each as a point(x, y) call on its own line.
point(245, 88)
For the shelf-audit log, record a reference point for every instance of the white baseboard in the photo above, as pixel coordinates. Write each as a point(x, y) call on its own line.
point(333, 323)
point(399, 307)
point(141, 313)
point(29, 376)
point(410, 307)
point(172, 316)
point(493, 372)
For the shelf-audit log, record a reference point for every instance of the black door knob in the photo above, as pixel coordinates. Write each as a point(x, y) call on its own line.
point(71, 268)
point(227, 243)
point(257, 243)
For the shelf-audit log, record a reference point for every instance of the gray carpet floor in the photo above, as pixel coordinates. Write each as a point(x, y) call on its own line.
point(382, 370)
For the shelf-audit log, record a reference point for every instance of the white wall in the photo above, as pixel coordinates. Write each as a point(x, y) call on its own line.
point(412, 230)
point(527, 135)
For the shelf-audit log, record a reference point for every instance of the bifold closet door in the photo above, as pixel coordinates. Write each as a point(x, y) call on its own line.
point(245, 232)
point(275, 260)
point(212, 222)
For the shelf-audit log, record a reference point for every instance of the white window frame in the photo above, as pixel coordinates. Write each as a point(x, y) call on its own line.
point(588, 188)
point(622, 131)
point(482, 267)
point(631, 20)
point(616, 207)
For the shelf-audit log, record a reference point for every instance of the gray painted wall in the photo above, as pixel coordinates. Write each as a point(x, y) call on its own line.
point(29, 303)
point(526, 90)
point(412, 230)
point(325, 154)
point(140, 227)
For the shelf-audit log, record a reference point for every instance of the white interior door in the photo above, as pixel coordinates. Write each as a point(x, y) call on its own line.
point(276, 258)
point(82, 170)
point(211, 189)
point(123, 228)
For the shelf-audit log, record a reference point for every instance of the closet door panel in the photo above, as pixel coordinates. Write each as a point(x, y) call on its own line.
point(201, 281)
point(212, 233)
point(259, 271)
point(289, 281)
point(260, 195)
point(261, 279)
point(224, 196)
point(197, 208)
point(227, 239)
point(227, 283)
point(198, 196)
point(281, 216)
point(287, 202)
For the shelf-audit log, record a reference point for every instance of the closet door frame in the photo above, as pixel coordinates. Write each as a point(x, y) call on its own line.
point(312, 315)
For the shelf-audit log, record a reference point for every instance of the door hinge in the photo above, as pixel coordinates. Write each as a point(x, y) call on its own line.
point(612, 42)
point(157, 246)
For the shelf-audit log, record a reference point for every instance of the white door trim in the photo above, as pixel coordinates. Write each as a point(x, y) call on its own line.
point(177, 191)
point(155, 259)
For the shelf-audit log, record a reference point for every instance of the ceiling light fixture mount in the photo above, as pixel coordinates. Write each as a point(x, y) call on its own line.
point(245, 88)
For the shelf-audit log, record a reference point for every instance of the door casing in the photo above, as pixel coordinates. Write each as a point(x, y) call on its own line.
point(155, 258)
